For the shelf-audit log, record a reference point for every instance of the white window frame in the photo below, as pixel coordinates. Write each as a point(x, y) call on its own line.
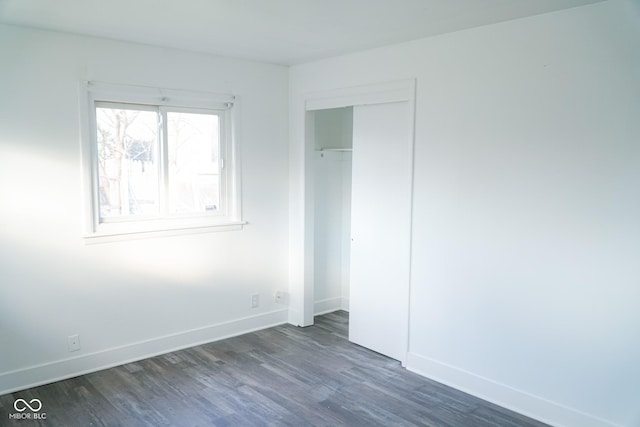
point(93, 94)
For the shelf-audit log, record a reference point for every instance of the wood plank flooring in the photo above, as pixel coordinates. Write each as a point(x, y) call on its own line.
point(283, 376)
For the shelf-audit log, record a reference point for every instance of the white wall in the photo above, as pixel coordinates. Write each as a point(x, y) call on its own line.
point(129, 298)
point(526, 204)
point(332, 231)
point(333, 128)
point(346, 162)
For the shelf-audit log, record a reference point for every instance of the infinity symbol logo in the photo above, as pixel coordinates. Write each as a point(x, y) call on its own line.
point(24, 405)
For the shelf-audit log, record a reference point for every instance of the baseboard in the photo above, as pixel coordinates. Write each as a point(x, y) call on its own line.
point(330, 304)
point(524, 403)
point(327, 306)
point(86, 363)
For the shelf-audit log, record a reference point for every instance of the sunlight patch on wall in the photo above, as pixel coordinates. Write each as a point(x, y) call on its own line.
point(39, 196)
point(181, 260)
point(42, 210)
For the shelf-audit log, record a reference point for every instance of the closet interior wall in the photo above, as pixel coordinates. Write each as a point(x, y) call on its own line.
point(332, 200)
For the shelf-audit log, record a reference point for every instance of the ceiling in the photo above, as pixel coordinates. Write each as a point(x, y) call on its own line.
point(278, 31)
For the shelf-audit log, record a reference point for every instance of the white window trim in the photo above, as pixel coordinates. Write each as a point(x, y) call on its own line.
point(91, 92)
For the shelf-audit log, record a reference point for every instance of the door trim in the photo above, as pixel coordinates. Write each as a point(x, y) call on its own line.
point(382, 93)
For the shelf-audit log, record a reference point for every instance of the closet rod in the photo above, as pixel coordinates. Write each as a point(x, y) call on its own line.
point(334, 149)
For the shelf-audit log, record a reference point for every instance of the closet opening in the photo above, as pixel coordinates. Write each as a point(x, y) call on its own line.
point(333, 142)
point(355, 234)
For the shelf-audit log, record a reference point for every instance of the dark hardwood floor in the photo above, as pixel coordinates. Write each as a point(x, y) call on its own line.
point(283, 376)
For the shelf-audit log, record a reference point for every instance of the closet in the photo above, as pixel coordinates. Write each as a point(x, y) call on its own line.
point(362, 220)
point(333, 135)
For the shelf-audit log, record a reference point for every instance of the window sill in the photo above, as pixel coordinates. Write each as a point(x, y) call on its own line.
point(116, 233)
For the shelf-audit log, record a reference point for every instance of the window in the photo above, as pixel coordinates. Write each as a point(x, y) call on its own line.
point(159, 160)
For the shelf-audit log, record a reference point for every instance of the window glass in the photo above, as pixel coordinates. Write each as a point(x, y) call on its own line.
point(127, 162)
point(193, 162)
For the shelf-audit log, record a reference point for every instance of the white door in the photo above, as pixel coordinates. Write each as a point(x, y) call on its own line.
point(380, 228)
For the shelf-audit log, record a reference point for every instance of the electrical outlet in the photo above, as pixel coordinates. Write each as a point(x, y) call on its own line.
point(255, 300)
point(281, 297)
point(74, 342)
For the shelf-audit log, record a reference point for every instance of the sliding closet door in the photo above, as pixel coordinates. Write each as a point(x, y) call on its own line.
point(380, 228)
